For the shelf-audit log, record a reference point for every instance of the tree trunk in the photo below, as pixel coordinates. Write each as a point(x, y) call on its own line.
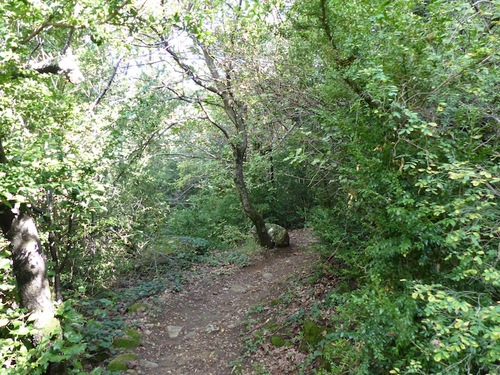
point(54, 254)
point(30, 269)
point(222, 86)
point(52, 247)
point(252, 214)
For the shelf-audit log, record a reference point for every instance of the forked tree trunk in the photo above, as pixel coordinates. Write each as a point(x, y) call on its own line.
point(30, 269)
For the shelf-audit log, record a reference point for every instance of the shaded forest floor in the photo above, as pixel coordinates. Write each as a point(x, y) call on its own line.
point(202, 329)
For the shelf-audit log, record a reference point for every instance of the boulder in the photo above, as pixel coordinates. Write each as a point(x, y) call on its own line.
point(279, 235)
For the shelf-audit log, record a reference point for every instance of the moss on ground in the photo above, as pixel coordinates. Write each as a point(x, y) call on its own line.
point(312, 332)
point(131, 340)
point(138, 307)
point(278, 341)
point(119, 363)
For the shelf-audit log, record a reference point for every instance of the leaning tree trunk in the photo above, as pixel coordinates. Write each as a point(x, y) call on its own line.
point(30, 269)
point(235, 111)
point(252, 214)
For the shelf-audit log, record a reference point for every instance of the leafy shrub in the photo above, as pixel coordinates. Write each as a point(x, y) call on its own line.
point(66, 346)
point(217, 218)
point(199, 246)
point(464, 329)
point(279, 189)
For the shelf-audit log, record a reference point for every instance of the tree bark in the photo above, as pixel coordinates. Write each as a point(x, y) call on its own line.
point(3, 158)
point(29, 265)
point(235, 111)
point(67, 64)
point(252, 214)
point(54, 254)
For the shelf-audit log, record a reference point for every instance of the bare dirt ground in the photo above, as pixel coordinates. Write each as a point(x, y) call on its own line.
point(201, 329)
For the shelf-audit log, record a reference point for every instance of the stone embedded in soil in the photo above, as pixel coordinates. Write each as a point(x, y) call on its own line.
point(132, 364)
point(267, 276)
point(211, 328)
point(120, 363)
point(131, 340)
point(174, 331)
point(148, 364)
point(238, 288)
point(139, 308)
point(191, 335)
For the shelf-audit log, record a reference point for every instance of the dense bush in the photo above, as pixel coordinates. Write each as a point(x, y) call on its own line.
point(210, 215)
point(411, 211)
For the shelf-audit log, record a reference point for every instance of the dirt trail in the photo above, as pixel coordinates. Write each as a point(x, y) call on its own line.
point(200, 330)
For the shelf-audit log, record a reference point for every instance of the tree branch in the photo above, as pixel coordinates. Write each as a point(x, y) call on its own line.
point(68, 40)
point(141, 149)
point(220, 127)
point(108, 85)
point(189, 72)
point(343, 62)
point(225, 91)
point(180, 96)
point(187, 99)
point(3, 158)
point(66, 64)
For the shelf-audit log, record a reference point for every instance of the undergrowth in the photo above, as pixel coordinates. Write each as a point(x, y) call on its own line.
point(105, 311)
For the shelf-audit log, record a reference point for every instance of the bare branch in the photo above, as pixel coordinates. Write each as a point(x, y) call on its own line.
point(493, 190)
point(225, 91)
point(220, 127)
point(108, 85)
point(139, 152)
point(189, 71)
point(180, 96)
point(187, 99)
point(68, 40)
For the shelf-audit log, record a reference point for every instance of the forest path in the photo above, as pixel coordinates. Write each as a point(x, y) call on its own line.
point(201, 329)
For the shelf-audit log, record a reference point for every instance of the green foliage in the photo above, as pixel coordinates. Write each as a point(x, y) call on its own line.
point(312, 333)
point(379, 325)
point(340, 357)
point(49, 164)
point(410, 157)
point(279, 189)
point(216, 217)
point(19, 355)
point(382, 115)
point(464, 328)
point(199, 246)
point(278, 341)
